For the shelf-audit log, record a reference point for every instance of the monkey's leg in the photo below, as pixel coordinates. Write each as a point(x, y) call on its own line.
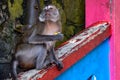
point(42, 38)
point(41, 57)
point(55, 59)
point(47, 61)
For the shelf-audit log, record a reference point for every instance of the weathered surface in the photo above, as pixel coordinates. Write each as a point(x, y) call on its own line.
point(77, 47)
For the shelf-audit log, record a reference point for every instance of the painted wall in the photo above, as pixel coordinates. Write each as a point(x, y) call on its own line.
point(117, 38)
point(94, 63)
point(97, 10)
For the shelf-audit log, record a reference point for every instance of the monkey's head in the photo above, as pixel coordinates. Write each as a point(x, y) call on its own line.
point(49, 13)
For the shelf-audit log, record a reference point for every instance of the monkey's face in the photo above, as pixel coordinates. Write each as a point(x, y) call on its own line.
point(49, 13)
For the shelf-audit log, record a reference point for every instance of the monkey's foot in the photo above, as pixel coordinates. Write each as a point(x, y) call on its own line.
point(59, 65)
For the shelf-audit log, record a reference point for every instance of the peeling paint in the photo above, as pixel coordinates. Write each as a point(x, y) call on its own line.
point(81, 39)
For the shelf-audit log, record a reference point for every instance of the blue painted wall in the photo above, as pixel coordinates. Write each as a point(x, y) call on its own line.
point(95, 63)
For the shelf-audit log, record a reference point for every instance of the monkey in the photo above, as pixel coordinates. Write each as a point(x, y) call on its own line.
point(36, 49)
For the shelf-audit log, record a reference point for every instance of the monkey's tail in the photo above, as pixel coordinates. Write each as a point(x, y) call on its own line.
point(14, 68)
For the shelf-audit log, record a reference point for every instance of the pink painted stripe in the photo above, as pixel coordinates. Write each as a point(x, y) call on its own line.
point(117, 38)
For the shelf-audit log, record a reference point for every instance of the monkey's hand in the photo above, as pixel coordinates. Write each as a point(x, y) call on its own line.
point(59, 36)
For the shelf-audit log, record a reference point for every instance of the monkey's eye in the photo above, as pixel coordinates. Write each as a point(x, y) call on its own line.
point(46, 10)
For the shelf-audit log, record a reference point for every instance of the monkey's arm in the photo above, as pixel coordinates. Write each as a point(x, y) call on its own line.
point(43, 38)
point(48, 37)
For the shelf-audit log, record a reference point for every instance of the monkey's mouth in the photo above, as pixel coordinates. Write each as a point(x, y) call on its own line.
point(47, 16)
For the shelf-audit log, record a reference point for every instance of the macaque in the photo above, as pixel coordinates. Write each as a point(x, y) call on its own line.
point(36, 49)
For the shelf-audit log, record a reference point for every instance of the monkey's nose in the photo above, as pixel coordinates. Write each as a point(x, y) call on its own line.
point(47, 13)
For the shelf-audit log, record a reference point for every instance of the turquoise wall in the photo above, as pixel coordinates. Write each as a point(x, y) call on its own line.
point(95, 63)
